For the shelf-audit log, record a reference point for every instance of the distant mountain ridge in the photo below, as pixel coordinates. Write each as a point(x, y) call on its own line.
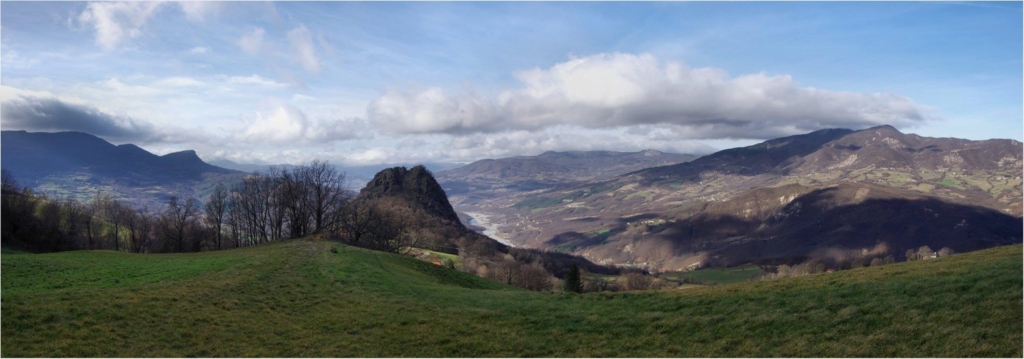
point(33, 155)
point(554, 168)
point(660, 215)
point(485, 185)
point(80, 163)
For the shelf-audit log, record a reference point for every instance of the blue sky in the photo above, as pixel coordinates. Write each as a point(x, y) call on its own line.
point(372, 83)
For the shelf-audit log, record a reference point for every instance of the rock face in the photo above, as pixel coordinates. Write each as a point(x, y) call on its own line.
point(416, 186)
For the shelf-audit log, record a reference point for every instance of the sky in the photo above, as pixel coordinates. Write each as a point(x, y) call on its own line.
point(367, 83)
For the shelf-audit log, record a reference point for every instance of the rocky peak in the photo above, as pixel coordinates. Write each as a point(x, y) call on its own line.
point(186, 156)
point(416, 185)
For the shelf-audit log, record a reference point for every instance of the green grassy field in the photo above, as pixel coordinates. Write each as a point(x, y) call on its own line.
point(719, 275)
point(298, 298)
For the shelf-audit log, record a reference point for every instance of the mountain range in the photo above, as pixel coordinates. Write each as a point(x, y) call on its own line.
point(834, 195)
point(789, 199)
point(80, 164)
point(550, 169)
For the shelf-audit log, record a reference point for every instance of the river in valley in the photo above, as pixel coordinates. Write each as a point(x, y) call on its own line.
point(490, 229)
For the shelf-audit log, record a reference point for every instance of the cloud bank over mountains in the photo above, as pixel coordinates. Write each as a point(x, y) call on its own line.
point(404, 82)
point(622, 90)
point(613, 101)
point(49, 114)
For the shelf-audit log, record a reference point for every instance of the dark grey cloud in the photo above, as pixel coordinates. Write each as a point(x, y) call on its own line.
point(52, 114)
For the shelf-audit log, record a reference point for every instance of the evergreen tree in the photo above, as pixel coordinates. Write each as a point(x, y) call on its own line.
point(573, 282)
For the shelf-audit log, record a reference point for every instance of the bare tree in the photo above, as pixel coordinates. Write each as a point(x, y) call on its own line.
point(533, 277)
point(49, 220)
point(216, 211)
point(113, 212)
point(178, 220)
point(290, 193)
point(945, 251)
point(925, 252)
point(253, 205)
point(638, 281)
point(234, 218)
point(7, 182)
point(139, 224)
point(369, 225)
point(141, 228)
point(276, 211)
point(911, 255)
point(93, 227)
point(72, 213)
point(326, 186)
point(506, 271)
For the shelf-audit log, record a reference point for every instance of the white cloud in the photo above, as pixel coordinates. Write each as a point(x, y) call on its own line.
point(121, 88)
point(433, 111)
point(302, 98)
point(12, 59)
point(8, 93)
point(566, 138)
point(615, 90)
point(303, 48)
point(281, 123)
point(199, 50)
point(197, 10)
point(179, 81)
point(115, 22)
point(371, 156)
point(252, 42)
point(254, 80)
point(420, 148)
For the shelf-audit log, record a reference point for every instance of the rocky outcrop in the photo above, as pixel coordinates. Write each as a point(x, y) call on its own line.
point(416, 186)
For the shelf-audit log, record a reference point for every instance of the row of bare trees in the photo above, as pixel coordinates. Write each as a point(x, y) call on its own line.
point(276, 204)
point(43, 223)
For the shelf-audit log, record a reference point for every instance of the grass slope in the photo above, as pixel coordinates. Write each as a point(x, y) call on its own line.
point(298, 298)
point(719, 275)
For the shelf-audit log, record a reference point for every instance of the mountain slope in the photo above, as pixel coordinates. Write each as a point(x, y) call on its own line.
point(553, 168)
point(79, 164)
point(298, 299)
point(586, 218)
point(485, 186)
point(791, 224)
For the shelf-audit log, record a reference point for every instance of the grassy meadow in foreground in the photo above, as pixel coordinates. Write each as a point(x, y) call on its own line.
point(297, 298)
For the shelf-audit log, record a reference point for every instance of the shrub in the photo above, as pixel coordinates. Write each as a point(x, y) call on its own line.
point(448, 263)
point(637, 281)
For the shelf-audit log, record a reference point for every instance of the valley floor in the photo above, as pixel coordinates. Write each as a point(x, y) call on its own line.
point(298, 298)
